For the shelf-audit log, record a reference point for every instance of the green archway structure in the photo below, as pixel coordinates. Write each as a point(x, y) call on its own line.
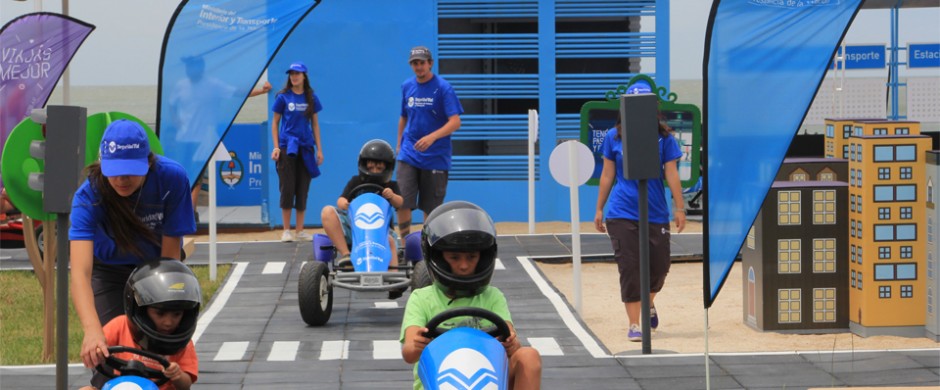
point(599, 116)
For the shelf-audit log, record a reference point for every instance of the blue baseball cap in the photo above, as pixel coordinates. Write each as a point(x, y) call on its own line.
point(124, 149)
point(297, 67)
point(640, 86)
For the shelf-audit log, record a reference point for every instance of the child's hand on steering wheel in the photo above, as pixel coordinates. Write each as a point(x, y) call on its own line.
point(388, 193)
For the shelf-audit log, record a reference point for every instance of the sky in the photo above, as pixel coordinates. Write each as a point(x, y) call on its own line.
point(124, 49)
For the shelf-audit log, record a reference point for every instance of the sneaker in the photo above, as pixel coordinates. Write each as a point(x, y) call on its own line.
point(344, 261)
point(287, 236)
point(303, 236)
point(654, 318)
point(635, 334)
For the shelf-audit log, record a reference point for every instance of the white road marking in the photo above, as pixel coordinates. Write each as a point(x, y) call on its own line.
point(231, 350)
point(284, 351)
point(334, 350)
point(547, 346)
point(386, 349)
point(569, 319)
point(221, 297)
point(273, 267)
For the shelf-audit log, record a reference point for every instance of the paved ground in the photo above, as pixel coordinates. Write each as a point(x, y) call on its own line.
point(252, 337)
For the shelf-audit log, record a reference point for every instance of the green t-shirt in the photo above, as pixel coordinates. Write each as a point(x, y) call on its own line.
point(429, 301)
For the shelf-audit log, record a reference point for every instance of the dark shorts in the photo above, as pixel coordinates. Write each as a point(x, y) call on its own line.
point(107, 283)
point(624, 237)
point(421, 188)
point(293, 182)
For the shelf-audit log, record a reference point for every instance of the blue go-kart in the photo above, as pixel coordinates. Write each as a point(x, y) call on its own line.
point(132, 374)
point(368, 273)
point(465, 358)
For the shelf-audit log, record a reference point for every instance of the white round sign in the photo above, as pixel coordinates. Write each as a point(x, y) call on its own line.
point(561, 164)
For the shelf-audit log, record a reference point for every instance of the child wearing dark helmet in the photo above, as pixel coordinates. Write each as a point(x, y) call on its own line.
point(459, 243)
point(376, 163)
point(161, 305)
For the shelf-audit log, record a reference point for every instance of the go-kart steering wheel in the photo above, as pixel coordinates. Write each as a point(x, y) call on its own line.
point(132, 367)
point(500, 332)
point(366, 188)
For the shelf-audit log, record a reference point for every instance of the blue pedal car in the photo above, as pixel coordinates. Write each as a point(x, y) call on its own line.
point(465, 358)
point(369, 273)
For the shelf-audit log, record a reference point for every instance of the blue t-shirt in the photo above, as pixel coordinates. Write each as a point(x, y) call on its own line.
point(294, 124)
point(163, 204)
point(427, 107)
point(624, 198)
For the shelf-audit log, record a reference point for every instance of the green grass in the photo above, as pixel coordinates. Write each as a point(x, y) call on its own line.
point(21, 315)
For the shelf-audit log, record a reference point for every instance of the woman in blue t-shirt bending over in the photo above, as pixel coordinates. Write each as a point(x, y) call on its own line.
point(134, 207)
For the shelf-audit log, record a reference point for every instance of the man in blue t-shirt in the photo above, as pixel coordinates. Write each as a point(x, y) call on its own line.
point(430, 113)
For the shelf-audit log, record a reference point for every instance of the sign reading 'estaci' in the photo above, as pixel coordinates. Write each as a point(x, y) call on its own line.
point(924, 55)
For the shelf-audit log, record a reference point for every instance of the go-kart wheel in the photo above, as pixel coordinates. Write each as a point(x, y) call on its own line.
point(366, 188)
point(502, 328)
point(420, 277)
point(314, 293)
point(133, 367)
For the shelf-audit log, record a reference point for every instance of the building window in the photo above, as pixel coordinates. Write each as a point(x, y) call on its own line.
point(846, 131)
point(880, 131)
point(852, 228)
point(884, 292)
point(860, 255)
point(907, 252)
point(859, 280)
point(857, 131)
point(905, 153)
point(788, 256)
point(884, 252)
point(884, 272)
point(824, 255)
point(859, 203)
point(824, 207)
point(852, 250)
point(884, 213)
point(788, 306)
point(824, 305)
point(859, 157)
point(884, 173)
point(852, 202)
point(853, 278)
point(830, 131)
point(799, 175)
point(907, 291)
point(826, 176)
point(902, 131)
point(858, 180)
point(852, 153)
point(906, 271)
point(852, 177)
point(845, 152)
point(858, 233)
point(788, 208)
point(751, 238)
point(907, 212)
point(906, 173)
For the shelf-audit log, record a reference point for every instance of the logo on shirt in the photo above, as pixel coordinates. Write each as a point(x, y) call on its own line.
point(466, 368)
point(296, 106)
point(369, 216)
point(411, 101)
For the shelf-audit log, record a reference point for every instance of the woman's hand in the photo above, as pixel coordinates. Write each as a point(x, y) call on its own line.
point(94, 348)
point(599, 221)
point(319, 157)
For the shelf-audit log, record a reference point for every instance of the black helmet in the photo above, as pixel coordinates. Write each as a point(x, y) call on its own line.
point(376, 150)
point(459, 226)
point(166, 284)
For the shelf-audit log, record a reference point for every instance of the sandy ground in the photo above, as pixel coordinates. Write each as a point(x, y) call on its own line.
point(680, 305)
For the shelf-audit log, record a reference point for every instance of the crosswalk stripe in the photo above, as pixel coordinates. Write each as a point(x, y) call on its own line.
point(231, 350)
point(284, 351)
point(386, 349)
point(499, 265)
point(273, 267)
point(547, 346)
point(386, 305)
point(334, 350)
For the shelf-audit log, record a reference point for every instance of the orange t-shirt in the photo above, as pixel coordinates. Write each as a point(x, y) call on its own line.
point(117, 332)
